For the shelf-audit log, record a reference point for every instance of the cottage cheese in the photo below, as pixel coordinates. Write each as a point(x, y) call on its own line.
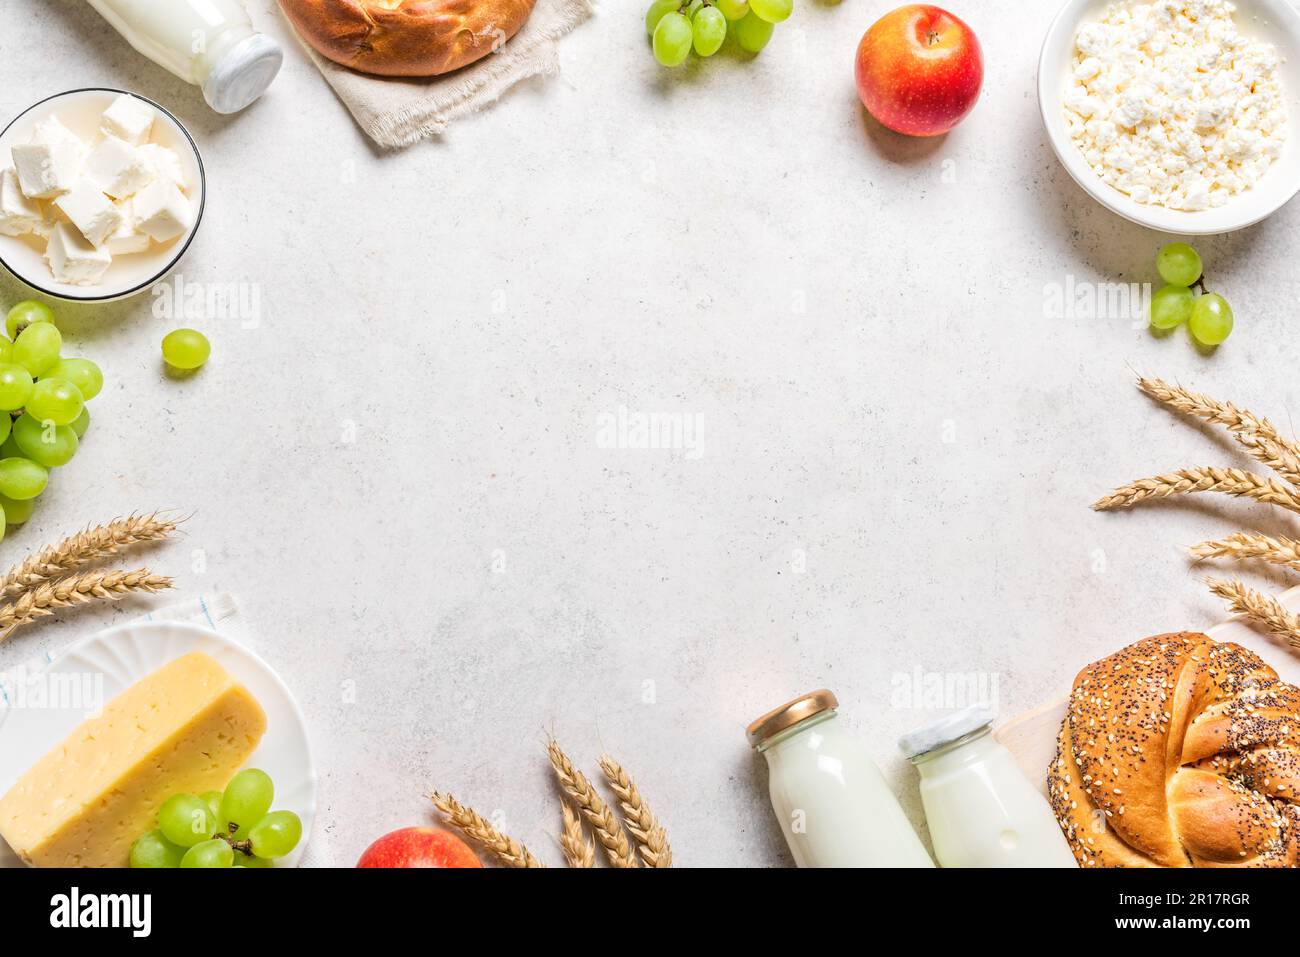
point(1171, 105)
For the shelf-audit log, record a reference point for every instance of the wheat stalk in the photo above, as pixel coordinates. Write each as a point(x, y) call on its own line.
point(578, 851)
point(648, 833)
point(88, 545)
point(1227, 481)
point(48, 597)
point(506, 849)
point(1255, 434)
point(609, 833)
point(1259, 608)
point(1242, 546)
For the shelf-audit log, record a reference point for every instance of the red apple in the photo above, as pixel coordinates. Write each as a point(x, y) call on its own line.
point(419, 847)
point(919, 70)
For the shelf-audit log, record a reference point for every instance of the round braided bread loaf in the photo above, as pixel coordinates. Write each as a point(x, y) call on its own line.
point(1179, 751)
point(406, 37)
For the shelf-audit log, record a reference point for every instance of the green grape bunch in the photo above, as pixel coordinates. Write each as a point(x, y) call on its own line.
point(43, 413)
point(231, 828)
point(1185, 298)
point(676, 27)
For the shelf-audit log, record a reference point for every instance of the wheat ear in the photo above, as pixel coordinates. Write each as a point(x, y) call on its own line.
point(578, 851)
point(473, 825)
point(604, 824)
point(1259, 608)
point(1256, 435)
point(47, 598)
point(1242, 546)
point(652, 841)
point(1227, 481)
point(88, 545)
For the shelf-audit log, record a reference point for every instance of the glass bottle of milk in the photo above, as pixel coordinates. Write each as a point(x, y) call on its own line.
point(982, 810)
point(210, 43)
point(830, 798)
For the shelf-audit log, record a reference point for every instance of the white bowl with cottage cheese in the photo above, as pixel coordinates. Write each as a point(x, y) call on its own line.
point(101, 194)
point(1180, 115)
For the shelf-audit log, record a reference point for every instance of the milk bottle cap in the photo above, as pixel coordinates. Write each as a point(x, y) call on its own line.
point(946, 730)
point(243, 73)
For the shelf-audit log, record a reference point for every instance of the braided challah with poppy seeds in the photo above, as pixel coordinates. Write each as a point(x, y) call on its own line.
point(1179, 751)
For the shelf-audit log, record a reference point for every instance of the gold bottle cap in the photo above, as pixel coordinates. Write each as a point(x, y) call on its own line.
point(789, 714)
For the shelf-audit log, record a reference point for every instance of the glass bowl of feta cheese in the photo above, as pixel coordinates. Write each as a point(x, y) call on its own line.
point(1180, 115)
point(101, 194)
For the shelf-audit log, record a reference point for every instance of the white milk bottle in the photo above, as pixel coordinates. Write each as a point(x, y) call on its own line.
point(210, 43)
point(982, 811)
point(830, 798)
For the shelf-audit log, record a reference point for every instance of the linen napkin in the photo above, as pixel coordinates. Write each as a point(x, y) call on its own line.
point(397, 112)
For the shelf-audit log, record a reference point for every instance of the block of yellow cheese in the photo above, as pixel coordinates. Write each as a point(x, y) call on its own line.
point(185, 728)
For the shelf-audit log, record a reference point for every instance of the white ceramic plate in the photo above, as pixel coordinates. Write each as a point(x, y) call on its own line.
point(80, 110)
point(1273, 20)
point(127, 653)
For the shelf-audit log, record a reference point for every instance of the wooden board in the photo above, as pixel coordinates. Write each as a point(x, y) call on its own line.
point(1031, 736)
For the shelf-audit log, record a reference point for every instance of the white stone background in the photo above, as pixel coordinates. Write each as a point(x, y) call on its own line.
point(858, 319)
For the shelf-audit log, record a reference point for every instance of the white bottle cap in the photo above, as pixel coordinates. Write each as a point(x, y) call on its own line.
point(243, 73)
point(946, 730)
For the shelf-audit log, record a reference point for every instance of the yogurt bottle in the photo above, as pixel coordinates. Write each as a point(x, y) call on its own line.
point(210, 43)
point(982, 811)
point(829, 797)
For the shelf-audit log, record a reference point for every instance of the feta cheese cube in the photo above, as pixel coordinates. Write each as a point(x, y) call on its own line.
point(90, 211)
point(128, 118)
point(127, 240)
point(18, 214)
point(117, 168)
point(165, 163)
point(73, 260)
point(162, 211)
point(50, 163)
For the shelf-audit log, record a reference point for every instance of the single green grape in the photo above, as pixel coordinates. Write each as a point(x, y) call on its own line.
point(55, 400)
point(82, 373)
point(732, 9)
point(184, 819)
point(185, 348)
point(672, 39)
point(15, 387)
point(753, 32)
point(248, 860)
point(21, 478)
point(1210, 322)
point(44, 442)
point(773, 11)
point(16, 512)
point(709, 29)
point(1179, 264)
point(23, 314)
point(37, 347)
point(154, 850)
point(213, 853)
point(275, 835)
point(657, 11)
point(81, 423)
point(1171, 306)
point(213, 800)
point(246, 799)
